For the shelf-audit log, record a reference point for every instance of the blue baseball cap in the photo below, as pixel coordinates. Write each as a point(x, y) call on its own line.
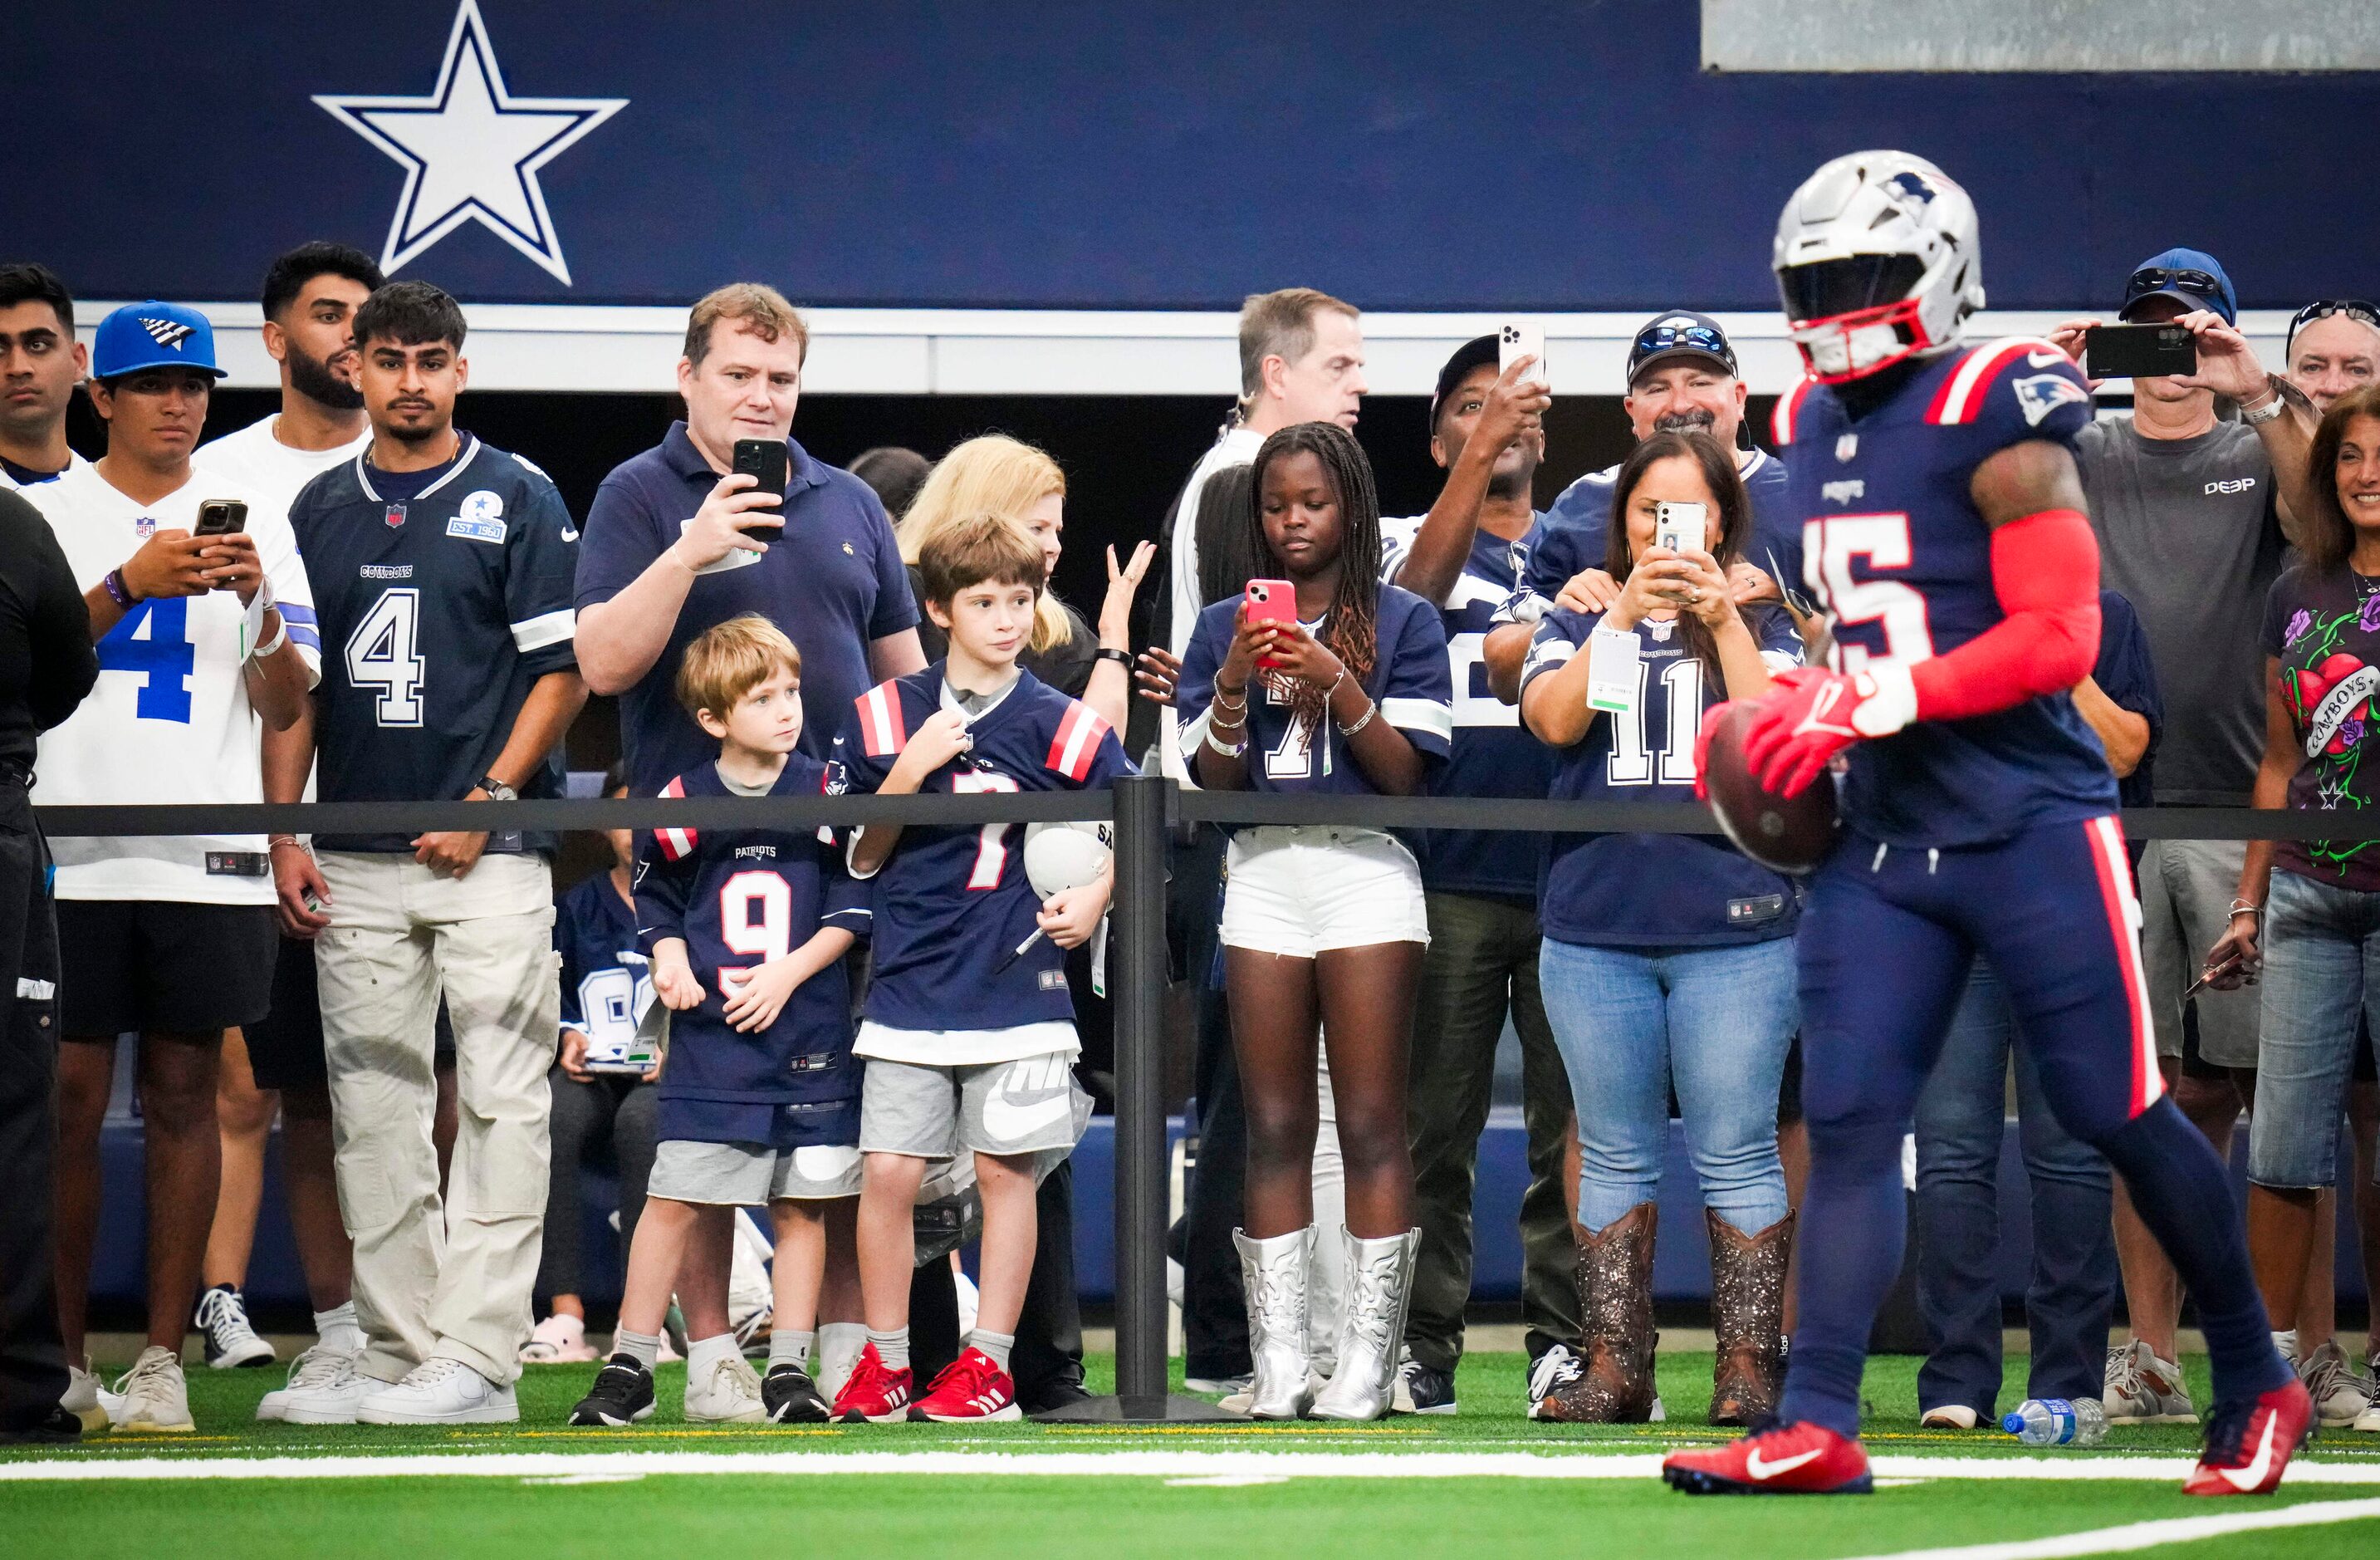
point(153, 335)
point(2192, 276)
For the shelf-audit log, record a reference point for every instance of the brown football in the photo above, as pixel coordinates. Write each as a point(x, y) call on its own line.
point(1789, 834)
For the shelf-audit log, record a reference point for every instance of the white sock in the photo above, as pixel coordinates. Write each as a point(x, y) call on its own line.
point(838, 1343)
point(892, 1348)
point(642, 1347)
point(789, 1348)
point(338, 1329)
point(997, 1346)
point(702, 1353)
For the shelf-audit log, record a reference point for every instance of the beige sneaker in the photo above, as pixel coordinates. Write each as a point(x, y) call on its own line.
point(727, 1393)
point(2330, 1380)
point(152, 1395)
point(2143, 1389)
point(1948, 1416)
point(81, 1398)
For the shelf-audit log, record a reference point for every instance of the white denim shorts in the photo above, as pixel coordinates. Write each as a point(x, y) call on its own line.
point(1305, 889)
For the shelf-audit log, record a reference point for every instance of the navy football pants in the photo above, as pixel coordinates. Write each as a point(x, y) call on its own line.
point(1885, 948)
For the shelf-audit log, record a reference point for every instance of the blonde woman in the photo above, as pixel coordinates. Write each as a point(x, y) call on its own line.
point(1009, 477)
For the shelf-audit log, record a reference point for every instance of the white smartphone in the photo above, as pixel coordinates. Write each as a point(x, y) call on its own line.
point(1523, 338)
point(1681, 528)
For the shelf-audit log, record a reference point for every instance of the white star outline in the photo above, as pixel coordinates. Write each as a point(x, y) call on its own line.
point(471, 150)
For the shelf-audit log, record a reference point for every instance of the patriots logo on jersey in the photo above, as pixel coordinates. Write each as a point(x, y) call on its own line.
point(165, 332)
point(2044, 394)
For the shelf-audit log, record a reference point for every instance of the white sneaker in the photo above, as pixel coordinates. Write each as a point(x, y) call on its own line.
point(440, 1391)
point(1227, 1386)
point(2331, 1383)
point(1558, 1366)
point(1948, 1416)
point(2143, 1389)
point(81, 1398)
point(558, 1340)
point(728, 1393)
point(2368, 1421)
point(323, 1388)
point(152, 1395)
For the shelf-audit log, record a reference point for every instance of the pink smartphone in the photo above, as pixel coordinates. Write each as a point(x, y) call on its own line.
point(1271, 601)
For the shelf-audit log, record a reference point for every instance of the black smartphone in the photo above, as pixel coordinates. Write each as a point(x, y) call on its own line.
point(764, 460)
point(221, 517)
point(2138, 351)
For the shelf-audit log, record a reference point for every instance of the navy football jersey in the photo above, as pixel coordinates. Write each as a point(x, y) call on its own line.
point(1492, 754)
point(1409, 679)
point(1578, 528)
point(437, 614)
point(740, 898)
point(952, 904)
point(1653, 890)
point(607, 985)
point(1896, 553)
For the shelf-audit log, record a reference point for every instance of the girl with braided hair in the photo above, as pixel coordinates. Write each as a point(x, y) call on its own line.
point(1323, 926)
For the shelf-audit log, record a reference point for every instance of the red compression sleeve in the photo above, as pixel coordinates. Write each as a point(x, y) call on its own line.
point(2046, 572)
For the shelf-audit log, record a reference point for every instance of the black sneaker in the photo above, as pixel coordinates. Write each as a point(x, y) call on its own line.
point(623, 1394)
point(222, 1325)
point(60, 1427)
point(791, 1397)
point(1062, 1392)
point(1422, 1389)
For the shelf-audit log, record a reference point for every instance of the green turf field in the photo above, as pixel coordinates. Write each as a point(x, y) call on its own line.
point(1484, 1483)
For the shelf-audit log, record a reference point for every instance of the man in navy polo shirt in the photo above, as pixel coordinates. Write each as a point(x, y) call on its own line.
point(674, 545)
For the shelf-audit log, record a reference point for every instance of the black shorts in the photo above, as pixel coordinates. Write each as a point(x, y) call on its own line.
point(159, 965)
point(285, 1047)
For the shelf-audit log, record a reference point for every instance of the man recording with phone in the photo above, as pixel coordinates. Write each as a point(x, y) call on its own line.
point(2194, 496)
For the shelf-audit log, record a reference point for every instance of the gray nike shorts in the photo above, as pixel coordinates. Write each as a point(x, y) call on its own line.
point(751, 1175)
point(1030, 1106)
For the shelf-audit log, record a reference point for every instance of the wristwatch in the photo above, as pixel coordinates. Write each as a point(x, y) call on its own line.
point(497, 790)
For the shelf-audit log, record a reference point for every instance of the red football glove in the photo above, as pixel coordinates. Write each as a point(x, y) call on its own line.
point(1810, 715)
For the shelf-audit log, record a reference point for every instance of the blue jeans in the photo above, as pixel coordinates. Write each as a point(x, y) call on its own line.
point(2322, 969)
point(2072, 1289)
point(1713, 1021)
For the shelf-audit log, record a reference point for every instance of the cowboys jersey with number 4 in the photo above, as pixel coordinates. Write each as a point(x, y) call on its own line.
point(1896, 551)
point(440, 602)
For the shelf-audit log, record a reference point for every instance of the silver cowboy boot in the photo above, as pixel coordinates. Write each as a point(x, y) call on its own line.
point(1380, 1291)
point(1274, 1270)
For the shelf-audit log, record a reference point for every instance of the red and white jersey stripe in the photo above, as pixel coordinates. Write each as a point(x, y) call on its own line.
point(1961, 398)
point(676, 844)
point(2124, 925)
point(1789, 405)
point(1077, 742)
point(881, 725)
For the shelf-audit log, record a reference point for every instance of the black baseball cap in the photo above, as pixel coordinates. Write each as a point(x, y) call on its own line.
point(1479, 349)
point(1680, 333)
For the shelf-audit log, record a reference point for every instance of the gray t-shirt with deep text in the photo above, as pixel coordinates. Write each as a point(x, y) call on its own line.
point(2189, 534)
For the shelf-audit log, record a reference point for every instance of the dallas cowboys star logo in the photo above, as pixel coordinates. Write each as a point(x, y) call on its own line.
point(471, 150)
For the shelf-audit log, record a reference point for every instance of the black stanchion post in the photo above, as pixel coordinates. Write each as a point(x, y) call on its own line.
point(1141, 1204)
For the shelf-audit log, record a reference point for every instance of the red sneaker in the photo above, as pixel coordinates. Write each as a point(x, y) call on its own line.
point(2247, 1446)
point(874, 1393)
point(971, 1388)
point(1784, 1459)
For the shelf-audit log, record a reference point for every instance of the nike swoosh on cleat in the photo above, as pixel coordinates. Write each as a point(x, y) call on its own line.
point(2245, 1479)
point(1755, 1465)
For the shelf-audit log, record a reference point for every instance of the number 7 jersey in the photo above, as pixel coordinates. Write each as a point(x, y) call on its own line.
point(1896, 553)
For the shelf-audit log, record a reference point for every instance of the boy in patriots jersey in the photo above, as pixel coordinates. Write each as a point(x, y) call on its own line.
point(969, 1026)
point(1944, 535)
point(746, 929)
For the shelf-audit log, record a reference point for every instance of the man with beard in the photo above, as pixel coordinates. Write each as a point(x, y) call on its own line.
point(311, 297)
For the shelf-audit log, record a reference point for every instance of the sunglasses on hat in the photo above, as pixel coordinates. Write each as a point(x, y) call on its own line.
point(2157, 278)
point(1668, 338)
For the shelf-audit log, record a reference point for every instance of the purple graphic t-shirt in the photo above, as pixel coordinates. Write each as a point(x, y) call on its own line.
point(2325, 630)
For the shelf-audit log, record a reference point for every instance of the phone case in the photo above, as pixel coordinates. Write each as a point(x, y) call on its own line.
point(1271, 601)
point(1523, 338)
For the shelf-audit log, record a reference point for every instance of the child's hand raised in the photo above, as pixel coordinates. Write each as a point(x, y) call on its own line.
point(941, 737)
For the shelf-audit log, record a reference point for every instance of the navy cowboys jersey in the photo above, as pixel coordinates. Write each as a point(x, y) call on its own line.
point(1409, 679)
point(740, 898)
point(607, 985)
point(1898, 555)
point(437, 614)
point(1492, 754)
point(952, 904)
point(1653, 890)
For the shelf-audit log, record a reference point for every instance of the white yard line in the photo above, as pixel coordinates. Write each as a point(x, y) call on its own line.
point(2155, 1535)
point(1182, 1463)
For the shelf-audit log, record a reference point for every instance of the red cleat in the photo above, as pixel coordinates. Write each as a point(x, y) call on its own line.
point(875, 1393)
point(971, 1388)
point(1784, 1459)
point(2246, 1452)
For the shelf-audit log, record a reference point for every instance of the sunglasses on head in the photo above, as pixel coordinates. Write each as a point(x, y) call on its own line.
point(2157, 278)
point(1701, 338)
point(2322, 309)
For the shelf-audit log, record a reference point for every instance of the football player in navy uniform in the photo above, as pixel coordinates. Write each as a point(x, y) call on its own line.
point(969, 1026)
point(1322, 924)
point(745, 930)
point(1944, 535)
point(449, 674)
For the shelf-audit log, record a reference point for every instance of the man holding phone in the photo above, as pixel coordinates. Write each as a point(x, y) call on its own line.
point(2194, 497)
point(198, 636)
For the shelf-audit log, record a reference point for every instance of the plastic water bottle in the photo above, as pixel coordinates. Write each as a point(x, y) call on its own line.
point(2054, 1421)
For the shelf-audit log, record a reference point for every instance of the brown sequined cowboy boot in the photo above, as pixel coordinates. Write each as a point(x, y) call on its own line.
point(1748, 1318)
point(1615, 1297)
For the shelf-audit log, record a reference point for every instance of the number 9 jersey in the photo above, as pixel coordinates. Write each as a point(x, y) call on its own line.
point(1896, 553)
point(438, 611)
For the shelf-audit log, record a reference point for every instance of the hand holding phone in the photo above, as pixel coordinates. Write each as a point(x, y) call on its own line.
point(1271, 601)
point(1681, 528)
point(765, 461)
point(1523, 338)
point(2139, 351)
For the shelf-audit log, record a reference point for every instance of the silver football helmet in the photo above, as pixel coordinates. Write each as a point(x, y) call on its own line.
point(1877, 259)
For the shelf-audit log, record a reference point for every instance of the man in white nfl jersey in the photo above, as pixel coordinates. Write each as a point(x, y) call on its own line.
point(201, 639)
point(444, 572)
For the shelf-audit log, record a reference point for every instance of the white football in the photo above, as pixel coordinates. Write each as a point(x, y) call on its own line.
point(1063, 855)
